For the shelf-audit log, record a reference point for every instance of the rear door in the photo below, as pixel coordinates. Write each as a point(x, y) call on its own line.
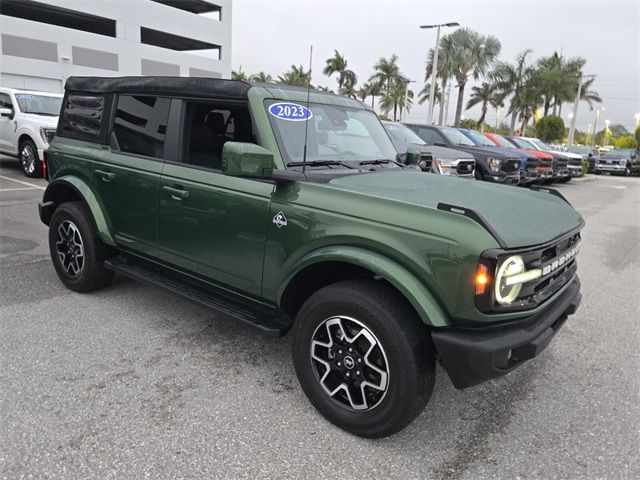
point(126, 175)
point(209, 223)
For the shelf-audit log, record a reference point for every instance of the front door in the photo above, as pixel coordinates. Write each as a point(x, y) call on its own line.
point(126, 175)
point(8, 142)
point(209, 223)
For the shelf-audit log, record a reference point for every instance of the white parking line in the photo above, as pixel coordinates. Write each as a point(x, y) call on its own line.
point(32, 185)
point(16, 189)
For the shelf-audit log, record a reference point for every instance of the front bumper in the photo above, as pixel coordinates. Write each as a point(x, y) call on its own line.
point(604, 168)
point(472, 356)
point(512, 178)
point(575, 170)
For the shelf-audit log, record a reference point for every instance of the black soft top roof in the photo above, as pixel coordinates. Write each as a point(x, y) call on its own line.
point(192, 86)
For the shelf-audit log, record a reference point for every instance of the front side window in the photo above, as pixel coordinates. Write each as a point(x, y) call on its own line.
point(479, 139)
point(502, 142)
point(430, 137)
point(39, 104)
point(456, 137)
point(140, 125)
point(403, 133)
point(334, 133)
point(5, 101)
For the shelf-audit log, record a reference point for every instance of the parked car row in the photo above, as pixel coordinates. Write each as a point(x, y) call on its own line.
point(484, 156)
point(619, 161)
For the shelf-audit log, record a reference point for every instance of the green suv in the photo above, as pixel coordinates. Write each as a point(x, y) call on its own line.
point(287, 210)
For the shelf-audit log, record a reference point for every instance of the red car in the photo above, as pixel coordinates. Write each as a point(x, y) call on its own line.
point(544, 169)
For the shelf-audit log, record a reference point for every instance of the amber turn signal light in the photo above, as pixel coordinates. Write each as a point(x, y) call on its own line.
point(482, 279)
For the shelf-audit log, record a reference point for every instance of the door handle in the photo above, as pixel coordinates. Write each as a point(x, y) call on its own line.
point(106, 176)
point(176, 193)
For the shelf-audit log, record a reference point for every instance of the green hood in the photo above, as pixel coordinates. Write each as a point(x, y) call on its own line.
point(520, 217)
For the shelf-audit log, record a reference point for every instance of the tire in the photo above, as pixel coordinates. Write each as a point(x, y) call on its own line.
point(627, 171)
point(77, 252)
point(367, 311)
point(29, 161)
point(479, 174)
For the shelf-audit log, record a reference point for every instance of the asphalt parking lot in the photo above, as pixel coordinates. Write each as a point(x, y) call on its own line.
point(132, 382)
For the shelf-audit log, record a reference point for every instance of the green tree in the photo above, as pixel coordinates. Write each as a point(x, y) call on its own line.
point(423, 95)
point(627, 141)
point(486, 94)
point(396, 99)
point(387, 73)
point(296, 75)
point(550, 128)
point(446, 56)
point(473, 55)
point(510, 80)
point(559, 81)
point(261, 77)
point(637, 134)
point(588, 95)
point(238, 74)
point(346, 78)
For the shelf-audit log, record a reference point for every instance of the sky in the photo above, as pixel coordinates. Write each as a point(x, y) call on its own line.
point(270, 35)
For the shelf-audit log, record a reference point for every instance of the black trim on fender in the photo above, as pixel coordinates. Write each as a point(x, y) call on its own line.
point(45, 210)
point(476, 217)
point(472, 356)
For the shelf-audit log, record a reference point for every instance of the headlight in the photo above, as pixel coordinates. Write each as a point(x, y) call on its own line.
point(443, 166)
point(47, 134)
point(494, 164)
point(510, 277)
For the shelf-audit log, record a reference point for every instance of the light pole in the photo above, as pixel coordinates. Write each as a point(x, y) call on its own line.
point(572, 128)
point(606, 130)
point(406, 97)
point(595, 124)
point(434, 70)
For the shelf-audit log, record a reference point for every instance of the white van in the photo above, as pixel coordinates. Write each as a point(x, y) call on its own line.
point(28, 122)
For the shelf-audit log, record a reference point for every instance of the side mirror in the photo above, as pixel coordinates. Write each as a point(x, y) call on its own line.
point(6, 113)
point(590, 155)
point(413, 156)
point(240, 159)
point(633, 155)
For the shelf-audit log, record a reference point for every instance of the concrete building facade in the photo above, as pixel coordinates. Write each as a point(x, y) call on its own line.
point(45, 41)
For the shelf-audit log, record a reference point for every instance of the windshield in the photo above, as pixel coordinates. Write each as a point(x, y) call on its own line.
point(403, 134)
point(580, 150)
point(502, 142)
point(479, 139)
point(39, 104)
point(335, 133)
point(523, 143)
point(457, 137)
point(619, 152)
point(539, 145)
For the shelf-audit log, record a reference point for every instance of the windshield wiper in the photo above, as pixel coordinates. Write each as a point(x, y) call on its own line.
point(318, 163)
point(380, 161)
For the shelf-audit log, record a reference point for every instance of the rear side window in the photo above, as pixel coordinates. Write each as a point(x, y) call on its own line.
point(82, 117)
point(140, 125)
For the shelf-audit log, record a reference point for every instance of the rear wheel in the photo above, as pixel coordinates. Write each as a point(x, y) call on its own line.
point(77, 252)
point(363, 357)
point(29, 161)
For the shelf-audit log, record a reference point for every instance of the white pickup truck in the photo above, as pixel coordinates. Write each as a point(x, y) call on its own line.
point(28, 122)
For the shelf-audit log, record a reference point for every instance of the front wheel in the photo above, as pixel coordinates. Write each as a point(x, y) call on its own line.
point(627, 172)
point(29, 161)
point(77, 252)
point(363, 357)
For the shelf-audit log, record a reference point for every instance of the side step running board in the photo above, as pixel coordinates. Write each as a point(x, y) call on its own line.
point(264, 321)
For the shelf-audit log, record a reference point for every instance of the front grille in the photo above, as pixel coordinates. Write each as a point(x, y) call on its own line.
point(511, 165)
point(558, 268)
point(546, 162)
point(425, 161)
point(465, 167)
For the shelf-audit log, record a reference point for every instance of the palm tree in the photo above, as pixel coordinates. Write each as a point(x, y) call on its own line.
point(484, 95)
point(295, 76)
point(588, 95)
point(559, 80)
point(387, 73)
point(238, 74)
point(423, 95)
point(473, 55)
point(346, 78)
point(397, 99)
point(323, 89)
point(373, 90)
point(446, 56)
point(261, 77)
point(510, 79)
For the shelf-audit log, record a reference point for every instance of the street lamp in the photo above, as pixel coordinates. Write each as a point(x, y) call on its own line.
point(572, 128)
point(595, 123)
point(637, 117)
point(606, 130)
point(434, 70)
